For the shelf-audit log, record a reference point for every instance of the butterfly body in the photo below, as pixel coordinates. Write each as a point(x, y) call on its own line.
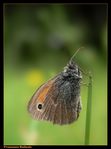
point(58, 100)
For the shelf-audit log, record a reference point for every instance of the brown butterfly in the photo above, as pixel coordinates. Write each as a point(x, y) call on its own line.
point(58, 100)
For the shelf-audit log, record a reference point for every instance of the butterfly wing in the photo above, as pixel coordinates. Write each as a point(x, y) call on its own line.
point(38, 98)
point(54, 102)
point(68, 106)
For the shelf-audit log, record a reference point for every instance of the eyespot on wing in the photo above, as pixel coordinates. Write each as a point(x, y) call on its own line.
point(40, 95)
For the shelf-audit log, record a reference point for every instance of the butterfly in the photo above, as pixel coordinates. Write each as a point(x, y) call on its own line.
point(58, 100)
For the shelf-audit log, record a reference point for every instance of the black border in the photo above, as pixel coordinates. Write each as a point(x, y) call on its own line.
point(1, 76)
point(2, 79)
point(109, 78)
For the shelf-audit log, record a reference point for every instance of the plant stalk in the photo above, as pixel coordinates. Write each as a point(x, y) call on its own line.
point(88, 112)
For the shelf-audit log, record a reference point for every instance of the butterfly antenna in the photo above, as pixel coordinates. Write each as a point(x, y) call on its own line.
point(75, 53)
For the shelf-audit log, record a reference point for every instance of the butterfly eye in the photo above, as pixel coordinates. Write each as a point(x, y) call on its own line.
point(39, 106)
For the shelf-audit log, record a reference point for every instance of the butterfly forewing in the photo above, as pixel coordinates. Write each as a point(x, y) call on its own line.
point(39, 98)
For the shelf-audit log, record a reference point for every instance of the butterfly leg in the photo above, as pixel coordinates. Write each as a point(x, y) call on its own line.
point(82, 83)
point(86, 73)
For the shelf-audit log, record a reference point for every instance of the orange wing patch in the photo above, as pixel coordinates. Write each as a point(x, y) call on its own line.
point(44, 91)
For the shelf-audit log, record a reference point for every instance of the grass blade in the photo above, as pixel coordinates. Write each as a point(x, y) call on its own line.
point(88, 112)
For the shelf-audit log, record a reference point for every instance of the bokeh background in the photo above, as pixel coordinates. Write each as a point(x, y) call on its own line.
point(39, 40)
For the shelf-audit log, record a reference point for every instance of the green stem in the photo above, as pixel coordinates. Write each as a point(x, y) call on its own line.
point(88, 112)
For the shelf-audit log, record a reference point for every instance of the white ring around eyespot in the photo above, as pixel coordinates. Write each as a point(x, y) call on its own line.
point(38, 108)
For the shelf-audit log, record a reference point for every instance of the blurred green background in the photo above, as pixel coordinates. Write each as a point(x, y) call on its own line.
point(39, 40)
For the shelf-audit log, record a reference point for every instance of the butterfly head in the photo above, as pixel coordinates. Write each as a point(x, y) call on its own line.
point(72, 70)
